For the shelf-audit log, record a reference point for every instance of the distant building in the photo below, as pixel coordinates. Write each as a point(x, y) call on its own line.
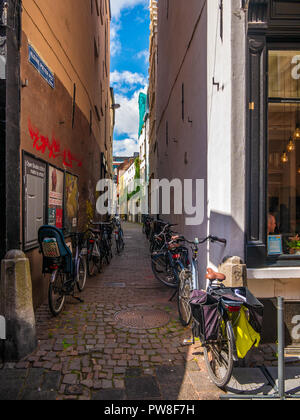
point(152, 91)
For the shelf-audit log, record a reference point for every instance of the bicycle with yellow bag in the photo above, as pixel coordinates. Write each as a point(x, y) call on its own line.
point(228, 322)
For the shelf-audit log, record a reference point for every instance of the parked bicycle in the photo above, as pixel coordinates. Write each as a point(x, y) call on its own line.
point(104, 237)
point(228, 322)
point(66, 272)
point(119, 235)
point(188, 279)
point(93, 252)
point(147, 220)
point(161, 232)
point(170, 258)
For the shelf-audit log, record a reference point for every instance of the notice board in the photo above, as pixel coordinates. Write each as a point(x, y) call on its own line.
point(34, 199)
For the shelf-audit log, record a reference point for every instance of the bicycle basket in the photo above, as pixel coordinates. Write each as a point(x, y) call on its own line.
point(50, 248)
point(206, 316)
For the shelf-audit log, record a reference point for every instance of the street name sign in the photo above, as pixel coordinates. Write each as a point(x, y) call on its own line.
point(41, 67)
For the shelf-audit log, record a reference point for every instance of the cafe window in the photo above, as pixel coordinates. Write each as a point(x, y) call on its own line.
point(283, 189)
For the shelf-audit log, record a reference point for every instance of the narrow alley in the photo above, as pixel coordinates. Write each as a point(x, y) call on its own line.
point(123, 343)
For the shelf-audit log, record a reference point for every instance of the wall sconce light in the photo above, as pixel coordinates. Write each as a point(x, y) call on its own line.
point(115, 106)
point(298, 171)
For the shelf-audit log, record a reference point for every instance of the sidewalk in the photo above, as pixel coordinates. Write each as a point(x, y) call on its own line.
point(96, 350)
point(125, 343)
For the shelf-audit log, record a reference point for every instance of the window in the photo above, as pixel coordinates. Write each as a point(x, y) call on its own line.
point(272, 145)
point(284, 153)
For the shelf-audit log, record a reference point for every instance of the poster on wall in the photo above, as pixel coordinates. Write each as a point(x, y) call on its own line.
point(34, 188)
point(55, 197)
point(71, 202)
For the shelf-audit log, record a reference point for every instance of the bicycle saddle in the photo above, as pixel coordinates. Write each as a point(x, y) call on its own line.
point(212, 275)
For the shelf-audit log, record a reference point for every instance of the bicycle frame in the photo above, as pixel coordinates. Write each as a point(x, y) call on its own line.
point(195, 269)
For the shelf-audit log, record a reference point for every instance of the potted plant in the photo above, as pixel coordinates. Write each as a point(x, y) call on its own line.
point(294, 245)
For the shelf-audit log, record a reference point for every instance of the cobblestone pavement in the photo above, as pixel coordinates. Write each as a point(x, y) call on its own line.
point(86, 353)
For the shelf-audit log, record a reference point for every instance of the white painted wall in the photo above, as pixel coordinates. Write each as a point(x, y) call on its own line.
point(226, 129)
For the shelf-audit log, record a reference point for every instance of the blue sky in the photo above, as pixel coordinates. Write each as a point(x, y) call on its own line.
point(129, 68)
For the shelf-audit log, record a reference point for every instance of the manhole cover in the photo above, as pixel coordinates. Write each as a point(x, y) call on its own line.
point(142, 318)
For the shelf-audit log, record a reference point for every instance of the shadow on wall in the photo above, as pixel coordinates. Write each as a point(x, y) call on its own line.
point(224, 226)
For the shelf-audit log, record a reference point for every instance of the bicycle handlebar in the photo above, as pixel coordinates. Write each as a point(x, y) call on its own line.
point(216, 239)
point(209, 238)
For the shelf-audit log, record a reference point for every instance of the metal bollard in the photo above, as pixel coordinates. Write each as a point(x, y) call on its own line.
point(281, 347)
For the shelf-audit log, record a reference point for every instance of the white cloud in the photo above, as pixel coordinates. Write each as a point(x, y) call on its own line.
point(127, 79)
point(115, 44)
point(127, 117)
point(118, 5)
point(143, 55)
point(125, 147)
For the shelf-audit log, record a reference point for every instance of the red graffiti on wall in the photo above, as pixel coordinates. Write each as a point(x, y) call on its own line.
point(43, 144)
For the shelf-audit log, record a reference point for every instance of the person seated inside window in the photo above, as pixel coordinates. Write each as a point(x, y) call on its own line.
point(271, 224)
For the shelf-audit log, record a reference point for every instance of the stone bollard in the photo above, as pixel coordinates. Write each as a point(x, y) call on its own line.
point(17, 307)
point(235, 271)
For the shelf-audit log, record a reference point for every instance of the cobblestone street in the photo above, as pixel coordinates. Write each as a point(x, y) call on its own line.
point(87, 353)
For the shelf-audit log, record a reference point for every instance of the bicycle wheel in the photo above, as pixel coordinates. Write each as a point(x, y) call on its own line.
point(219, 357)
point(108, 252)
point(91, 266)
point(164, 272)
point(81, 271)
point(93, 262)
point(184, 296)
point(122, 240)
point(120, 244)
point(56, 296)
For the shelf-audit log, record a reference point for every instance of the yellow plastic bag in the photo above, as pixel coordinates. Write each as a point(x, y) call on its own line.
point(246, 336)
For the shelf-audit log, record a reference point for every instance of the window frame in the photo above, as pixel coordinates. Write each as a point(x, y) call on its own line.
point(257, 152)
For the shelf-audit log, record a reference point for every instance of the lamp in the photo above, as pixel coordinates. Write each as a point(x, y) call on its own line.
point(297, 132)
point(115, 106)
point(291, 145)
point(284, 157)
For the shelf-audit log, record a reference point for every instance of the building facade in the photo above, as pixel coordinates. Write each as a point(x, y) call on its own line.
point(152, 86)
point(227, 112)
point(57, 139)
